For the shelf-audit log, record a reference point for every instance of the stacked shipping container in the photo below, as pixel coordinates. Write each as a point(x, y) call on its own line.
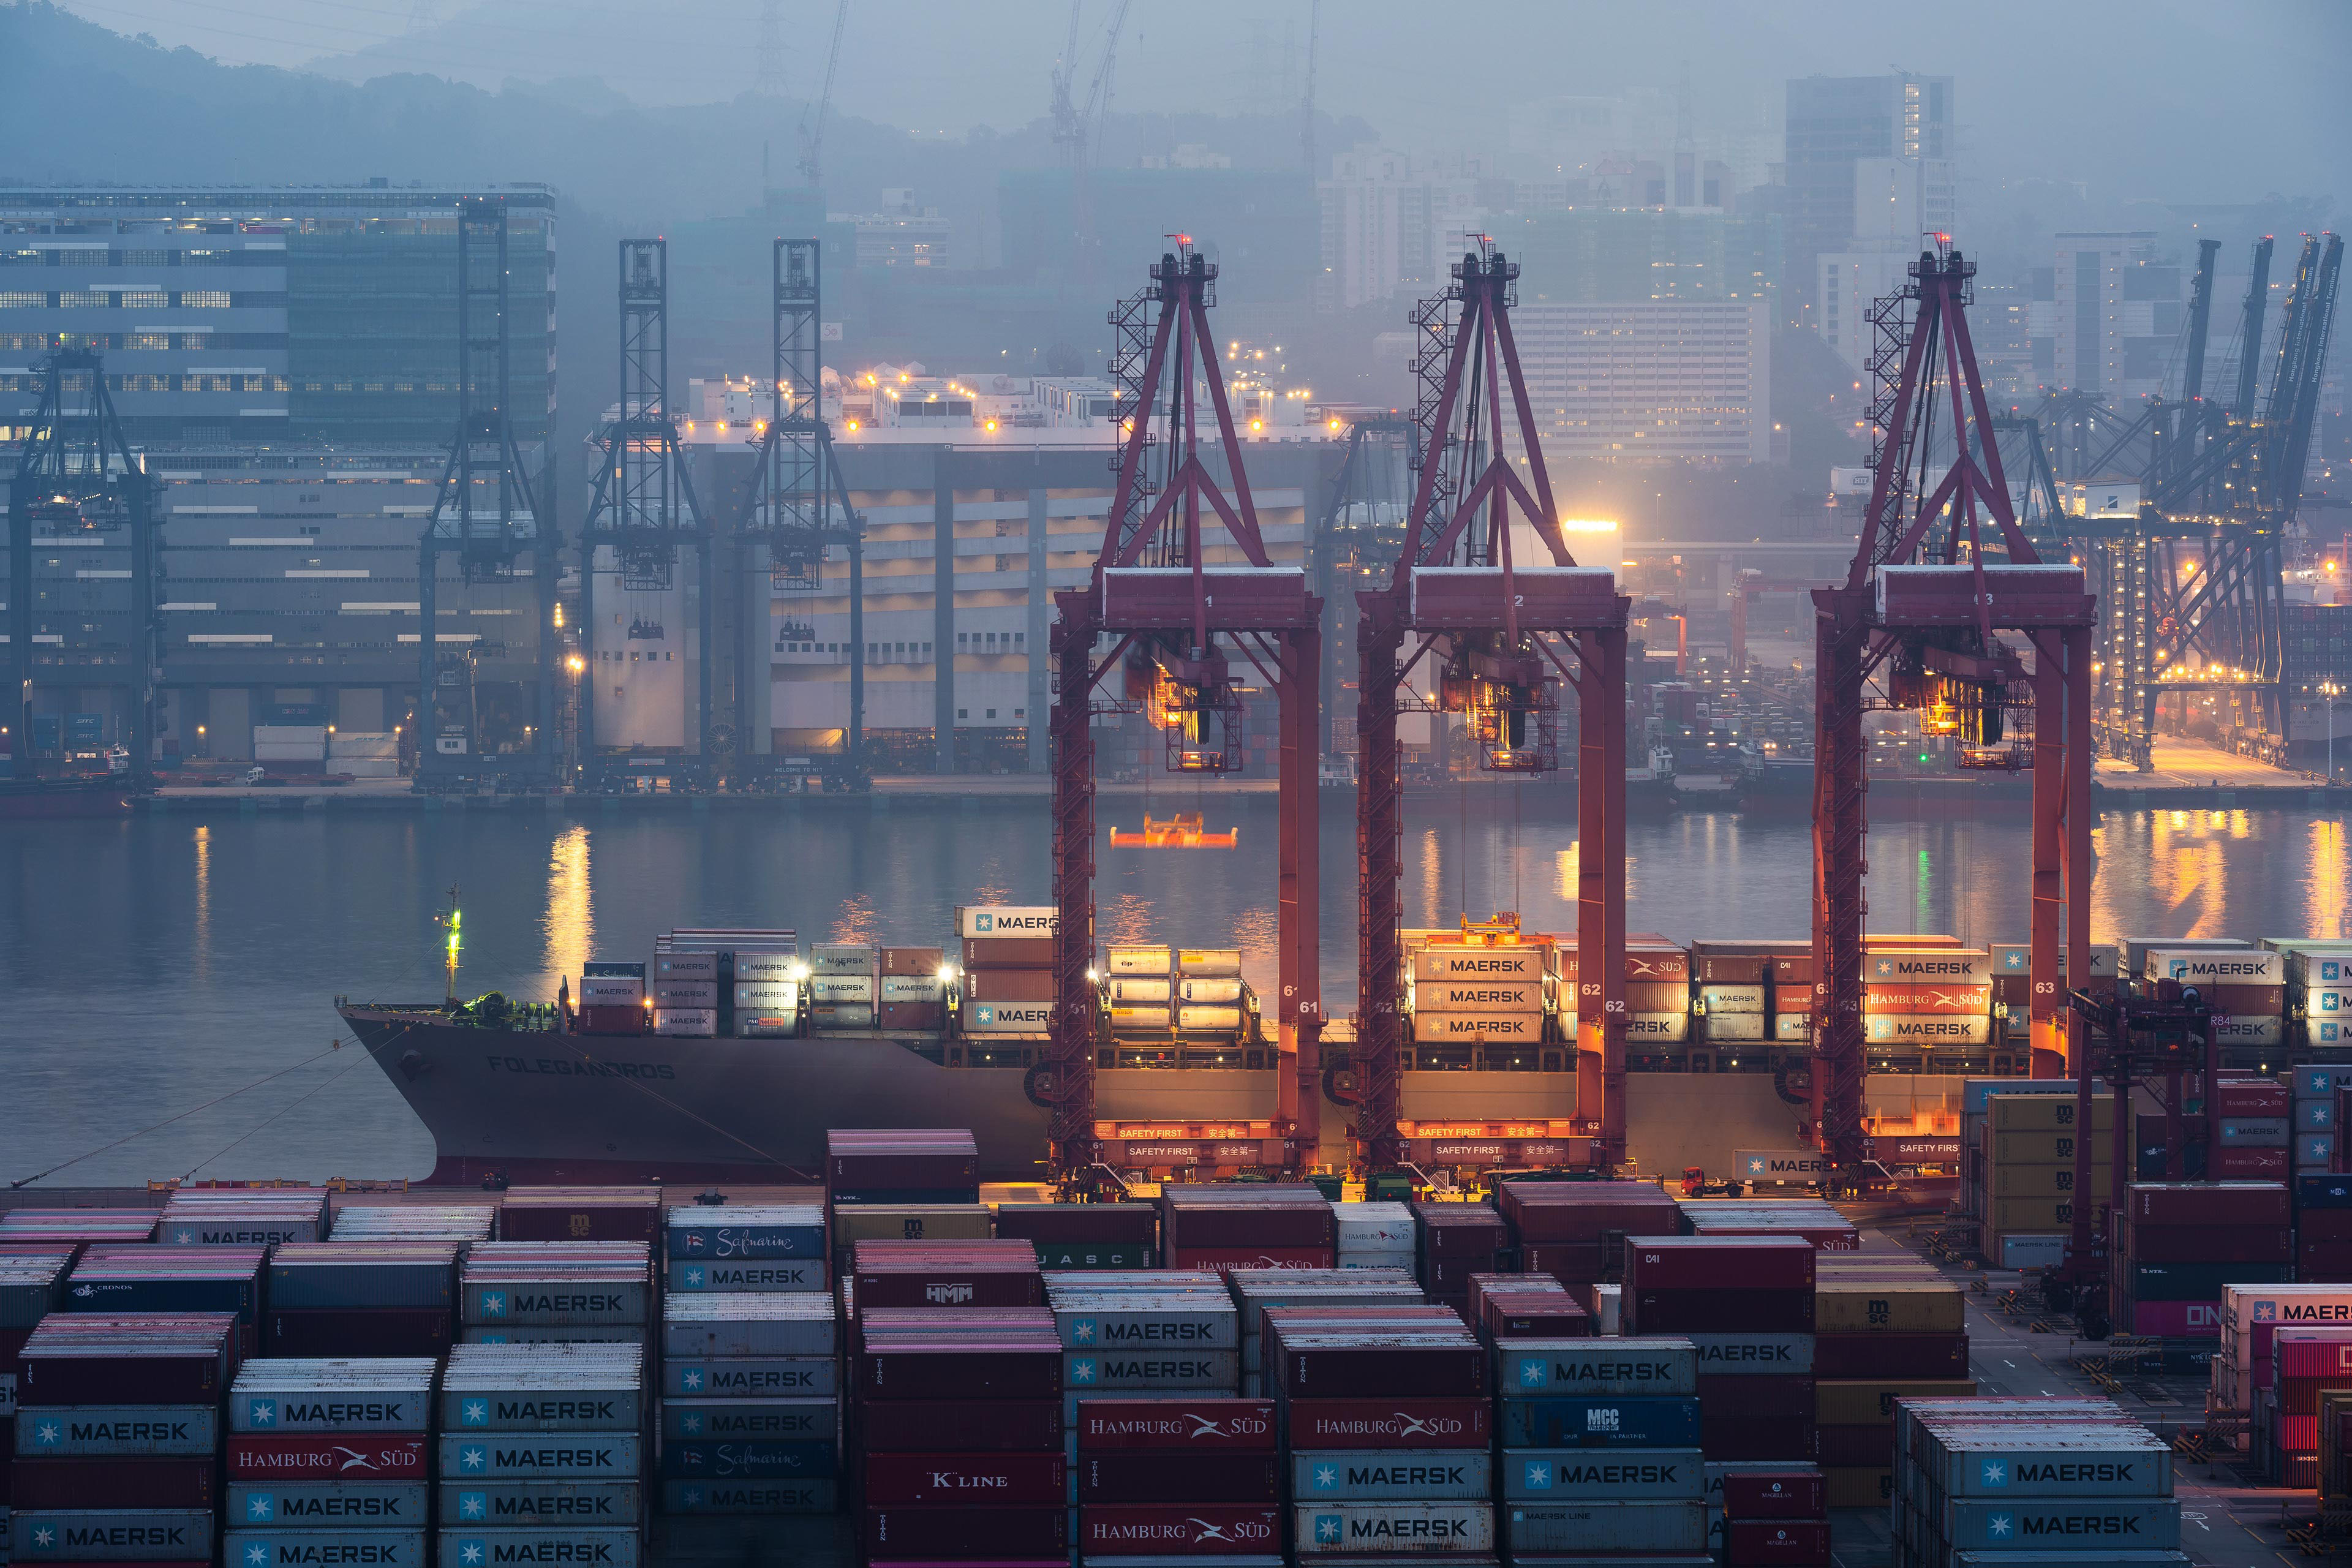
point(1479, 989)
point(1178, 1478)
point(542, 1452)
point(1747, 1305)
point(845, 982)
point(1257, 1291)
point(745, 984)
point(1886, 1326)
point(329, 1461)
point(2252, 1316)
point(1926, 999)
point(1577, 1231)
point(2179, 1243)
point(2029, 1165)
point(1226, 1226)
point(2323, 1228)
point(2044, 1476)
point(361, 1299)
point(1776, 1516)
point(1084, 1235)
point(1451, 1243)
point(1600, 1445)
point(2306, 1363)
point(1008, 969)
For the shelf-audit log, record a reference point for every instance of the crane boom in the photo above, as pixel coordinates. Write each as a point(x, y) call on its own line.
point(813, 122)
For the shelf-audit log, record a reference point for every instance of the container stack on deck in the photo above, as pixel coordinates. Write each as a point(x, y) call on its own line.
point(2306, 1364)
point(1340, 1375)
point(750, 1417)
point(242, 1216)
point(2252, 1316)
point(1375, 1235)
point(118, 1435)
point(2040, 1476)
point(1257, 1291)
point(1600, 1450)
point(1141, 983)
point(2177, 1244)
point(2315, 1118)
point(843, 983)
point(1171, 1479)
point(912, 989)
point(1451, 1243)
point(1577, 1232)
point(2029, 1164)
point(1008, 969)
point(329, 1461)
point(1471, 991)
point(1926, 999)
point(1746, 1304)
point(1657, 994)
point(361, 1299)
point(744, 984)
point(461, 1224)
point(556, 1293)
point(1885, 1327)
point(614, 999)
point(32, 1286)
point(2318, 987)
point(542, 1453)
point(1734, 981)
point(1222, 1228)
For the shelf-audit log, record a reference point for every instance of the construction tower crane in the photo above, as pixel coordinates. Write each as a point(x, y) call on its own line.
point(1186, 631)
point(1928, 592)
point(813, 117)
point(644, 507)
point(77, 478)
point(1077, 127)
point(1493, 623)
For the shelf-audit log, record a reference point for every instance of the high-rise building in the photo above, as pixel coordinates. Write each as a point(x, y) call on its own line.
point(2116, 314)
point(1852, 284)
point(239, 314)
point(1884, 143)
point(1650, 382)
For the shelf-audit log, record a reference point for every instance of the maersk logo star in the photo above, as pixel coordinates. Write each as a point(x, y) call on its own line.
point(44, 1536)
point(1083, 1330)
point(2012, 961)
point(260, 1506)
point(2267, 1311)
point(1538, 1476)
point(693, 1496)
point(1326, 1477)
point(691, 1423)
point(693, 1277)
point(1082, 1370)
point(470, 1552)
point(1756, 1166)
point(473, 1505)
point(475, 1412)
point(691, 1380)
point(47, 1434)
point(473, 1458)
point(262, 1413)
point(1996, 1474)
point(494, 1305)
point(1886, 968)
point(2000, 1527)
point(256, 1555)
point(185, 1238)
point(1327, 1529)
point(1531, 1374)
point(987, 1013)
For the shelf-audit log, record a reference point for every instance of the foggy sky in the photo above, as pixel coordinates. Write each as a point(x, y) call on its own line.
point(2214, 100)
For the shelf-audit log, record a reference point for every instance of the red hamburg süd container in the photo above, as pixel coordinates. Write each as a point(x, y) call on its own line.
point(962, 1479)
point(962, 1532)
point(1798, 1543)
point(1719, 1311)
point(2247, 1162)
point(1184, 1425)
point(959, 1372)
point(2209, 1243)
point(1179, 1530)
point(2209, 1203)
point(112, 1483)
point(961, 1425)
point(1719, 1263)
point(1388, 1423)
point(1225, 1260)
point(349, 1331)
point(328, 1457)
point(1209, 1475)
point(1922, 1356)
point(1792, 1493)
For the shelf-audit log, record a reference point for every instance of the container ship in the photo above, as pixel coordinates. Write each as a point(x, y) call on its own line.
point(728, 1055)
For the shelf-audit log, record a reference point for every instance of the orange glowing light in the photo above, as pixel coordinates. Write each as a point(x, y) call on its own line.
point(1183, 831)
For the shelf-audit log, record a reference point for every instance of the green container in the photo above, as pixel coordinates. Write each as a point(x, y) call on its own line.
point(1390, 1188)
point(1329, 1187)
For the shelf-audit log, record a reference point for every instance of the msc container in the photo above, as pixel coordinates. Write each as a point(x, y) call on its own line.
point(1602, 1474)
point(80, 1431)
point(306, 1545)
point(558, 1455)
point(1327, 1529)
point(376, 1505)
point(370, 1396)
point(1646, 1526)
point(1598, 1421)
point(541, 1543)
point(1436, 1473)
point(117, 1535)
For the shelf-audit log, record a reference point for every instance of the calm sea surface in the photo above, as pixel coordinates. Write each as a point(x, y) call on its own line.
point(156, 964)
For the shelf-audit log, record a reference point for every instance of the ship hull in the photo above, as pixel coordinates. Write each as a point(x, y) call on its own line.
point(524, 1105)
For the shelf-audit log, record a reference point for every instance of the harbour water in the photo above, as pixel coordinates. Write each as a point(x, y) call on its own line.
point(159, 963)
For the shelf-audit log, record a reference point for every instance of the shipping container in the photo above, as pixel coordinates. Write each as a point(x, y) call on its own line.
point(1008, 952)
point(543, 1543)
point(930, 1534)
point(1598, 1421)
point(1603, 1474)
point(960, 1479)
point(561, 1456)
point(961, 1425)
point(746, 1231)
point(526, 1504)
point(328, 1457)
point(110, 1481)
point(1442, 962)
point(1646, 1527)
point(749, 1496)
point(80, 1431)
point(336, 1395)
point(1371, 1474)
point(306, 1546)
point(1212, 1424)
point(732, 1324)
point(1139, 961)
point(1393, 1424)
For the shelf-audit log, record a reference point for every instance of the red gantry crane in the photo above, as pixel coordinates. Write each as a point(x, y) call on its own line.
point(1179, 621)
point(1495, 629)
point(1929, 589)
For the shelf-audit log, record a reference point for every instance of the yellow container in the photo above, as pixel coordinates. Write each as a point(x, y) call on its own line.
point(2042, 1148)
point(911, 1221)
point(1889, 1307)
point(2032, 1217)
point(2045, 1112)
point(1865, 1401)
point(2010, 1180)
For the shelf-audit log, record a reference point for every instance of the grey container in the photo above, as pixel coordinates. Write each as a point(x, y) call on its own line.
point(1596, 1529)
point(32, 1286)
point(635, 1334)
point(116, 1431)
point(590, 1295)
point(1984, 1465)
point(1353, 1529)
point(1754, 1356)
point(1103, 1321)
point(761, 1420)
point(308, 1546)
point(532, 1547)
point(112, 1535)
point(1083, 1369)
point(1433, 1474)
point(363, 1274)
point(750, 1377)
point(539, 1456)
point(355, 1396)
point(508, 1505)
point(350, 1505)
point(779, 1498)
point(780, 1323)
point(543, 1388)
point(1640, 1366)
point(2089, 1524)
point(762, 1275)
point(1541, 1475)
point(750, 1230)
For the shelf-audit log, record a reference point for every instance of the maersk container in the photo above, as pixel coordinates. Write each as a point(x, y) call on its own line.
point(2237, 1029)
point(687, 993)
point(686, 1022)
point(2089, 1525)
point(1211, 991)
point(1754, 1356)
point(1436, 1473)
point(554, 1299)
point(1418, 1529)
point(1648, 1367)
point(1736, 999)
point(752, 1274)
point(1450, 963)
point(767, 967)
point(1155, 991)
point(913, 988)
point(530, 1547)
point(1731, 1028)
point(842, 958)
point(78, 1431)
point(1007, 1018)
point(755, 1458)
point(2252, 1132)
point(1152, 1367)
point(1926, 1029)
point(1478, 995)
point(1501, 1029)
point(1600, 1527)
point(773, 1377)
point(114, 1534)
point(764, 994)
point(676, 965)
point(748, 1420)
point(2115, 1465)
point(1099, 1322)
point(1209, 1020)
point(1580, 1474)
point(1657, 1029)
point(541, 1503)
point(558, 1455)
point(370, 1505)
point(744, 1497)
point(824, 988)
point(355, 1396)
point(555, 1334)
point(543, 1388)
point(1598, 1421)
point(307, 1546)
point(1791, 1028)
